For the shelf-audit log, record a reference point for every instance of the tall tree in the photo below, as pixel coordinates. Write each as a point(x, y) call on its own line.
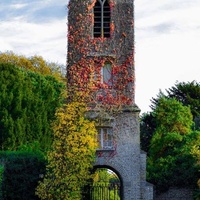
point(34, 64)
point(172, 116)
point(28, 102)
point(147, 128)
point(186, 93)
point(195, 150)
point(171, 161)
point(71, 156)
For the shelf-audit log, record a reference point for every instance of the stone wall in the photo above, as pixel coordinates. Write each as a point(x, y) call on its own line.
point(176, 194)
point(147, 189)
point(127, 161)
point(90, 53)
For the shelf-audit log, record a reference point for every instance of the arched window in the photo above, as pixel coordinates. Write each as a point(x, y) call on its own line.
point(106, 74)
point(101, 19)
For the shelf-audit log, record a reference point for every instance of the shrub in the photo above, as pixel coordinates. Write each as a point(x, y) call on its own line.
point(22, 171)
point(1, 180)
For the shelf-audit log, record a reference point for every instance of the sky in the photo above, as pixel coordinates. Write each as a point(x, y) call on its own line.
point(167, 39)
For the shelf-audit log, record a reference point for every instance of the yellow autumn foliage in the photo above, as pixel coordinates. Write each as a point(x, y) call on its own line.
point(72, 155)
point(34, 63)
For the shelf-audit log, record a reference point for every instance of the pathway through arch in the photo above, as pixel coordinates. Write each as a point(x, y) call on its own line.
point(106, 185)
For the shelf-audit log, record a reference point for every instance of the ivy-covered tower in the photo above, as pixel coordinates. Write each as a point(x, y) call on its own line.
point(100, 71)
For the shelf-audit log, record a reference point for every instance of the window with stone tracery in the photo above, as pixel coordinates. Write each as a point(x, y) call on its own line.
point(101, 19)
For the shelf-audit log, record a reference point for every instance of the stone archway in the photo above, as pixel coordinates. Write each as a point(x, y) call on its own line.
point(107, 184)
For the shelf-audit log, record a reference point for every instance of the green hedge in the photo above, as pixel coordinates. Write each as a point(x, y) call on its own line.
point(22, 172)
point(1, 180)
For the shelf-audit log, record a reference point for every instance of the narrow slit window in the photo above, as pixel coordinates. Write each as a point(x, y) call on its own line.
point(101, 19)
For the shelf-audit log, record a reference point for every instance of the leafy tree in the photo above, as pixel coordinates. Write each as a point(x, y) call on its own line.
point(71, 156)
point(174, 165)
point(171, 161)
point(1, 180)
point(147, 128)
point(28, 101)
point(34, 64)
point(102, 175)
point(172, 116)
point(186, 93)
point(172, 121)
point(196, 152)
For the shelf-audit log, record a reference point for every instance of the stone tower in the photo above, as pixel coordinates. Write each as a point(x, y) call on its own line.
point(100, 69)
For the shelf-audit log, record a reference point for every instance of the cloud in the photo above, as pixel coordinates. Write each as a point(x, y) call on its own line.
point(5, 46)
point(36, 11)
point(167, 46)
point(46, 39)
point(171, 15)
point(34, 27)
point(18, 6)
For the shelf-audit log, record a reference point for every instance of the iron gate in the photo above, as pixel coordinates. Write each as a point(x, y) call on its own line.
point(105, 191)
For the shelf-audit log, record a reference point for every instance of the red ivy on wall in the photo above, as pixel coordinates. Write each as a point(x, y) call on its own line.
point(84, 70)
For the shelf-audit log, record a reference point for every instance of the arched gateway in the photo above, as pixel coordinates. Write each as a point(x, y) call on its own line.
point(101, 71)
